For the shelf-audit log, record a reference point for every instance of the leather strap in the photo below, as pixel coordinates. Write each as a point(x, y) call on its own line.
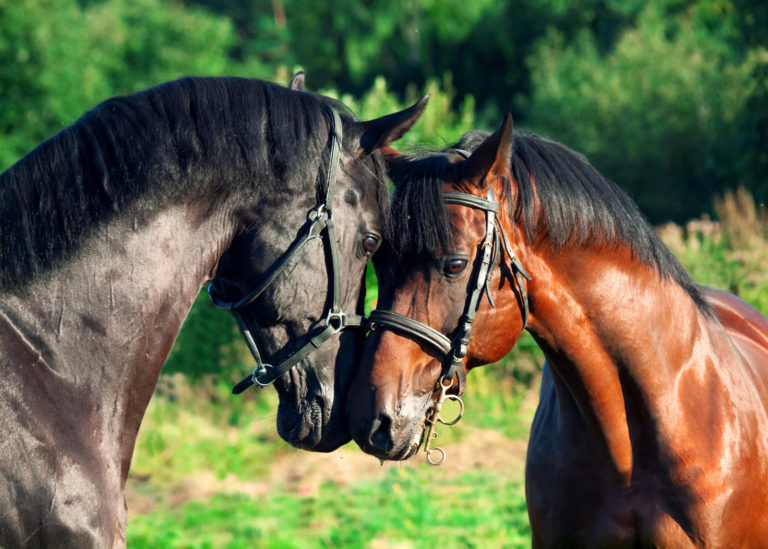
point(317, 223)
point(400, 323)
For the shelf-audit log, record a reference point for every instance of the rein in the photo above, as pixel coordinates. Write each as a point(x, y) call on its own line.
point(453, 350)
point(319, 223)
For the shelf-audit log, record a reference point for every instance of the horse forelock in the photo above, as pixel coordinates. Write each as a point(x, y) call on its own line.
point(211, 138)
point(559, 197)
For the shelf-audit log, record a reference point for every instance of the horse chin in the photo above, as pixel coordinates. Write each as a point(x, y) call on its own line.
point(308, 425)
point(410, 451)
point(405, 446)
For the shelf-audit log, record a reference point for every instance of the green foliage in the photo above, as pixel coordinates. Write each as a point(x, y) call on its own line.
point(156, 41)
point(38, 84)
point(667, 97)
point(58, 59)
point(657, 112)
point(440, 125)
point(209, 343)
point(730, 254)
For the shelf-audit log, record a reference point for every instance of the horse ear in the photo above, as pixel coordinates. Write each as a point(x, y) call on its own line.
point(493, 156)
point(297, 82)
point(382, 131)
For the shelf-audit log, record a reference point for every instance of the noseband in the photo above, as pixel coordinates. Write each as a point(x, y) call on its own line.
point(453, 350)
point(319, 223)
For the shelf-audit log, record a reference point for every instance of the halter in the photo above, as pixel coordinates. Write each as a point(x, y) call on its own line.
point(319, 222)
point(454, 349)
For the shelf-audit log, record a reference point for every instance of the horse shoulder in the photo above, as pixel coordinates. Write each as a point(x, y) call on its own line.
point(56, 491)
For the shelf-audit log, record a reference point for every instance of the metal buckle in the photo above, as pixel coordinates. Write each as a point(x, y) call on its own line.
point(315, 213)
point(261, 370)
point(433, 417)
point(339, 316)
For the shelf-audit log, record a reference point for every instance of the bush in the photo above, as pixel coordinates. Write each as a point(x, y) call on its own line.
point(657, 113)
point(731, 253)
point(58, 59)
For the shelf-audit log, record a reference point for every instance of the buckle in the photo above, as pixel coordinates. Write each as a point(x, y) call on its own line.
point(261, 370)
point(336, 317)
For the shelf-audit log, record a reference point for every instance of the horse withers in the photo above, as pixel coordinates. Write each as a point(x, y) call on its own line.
point(109, 230)
point(652, 426)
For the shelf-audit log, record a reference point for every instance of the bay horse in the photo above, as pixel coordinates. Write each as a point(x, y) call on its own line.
point(652, 425)
point(110, 229)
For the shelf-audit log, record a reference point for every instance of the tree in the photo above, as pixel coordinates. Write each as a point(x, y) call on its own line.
point(58, 59)
point(657, 113)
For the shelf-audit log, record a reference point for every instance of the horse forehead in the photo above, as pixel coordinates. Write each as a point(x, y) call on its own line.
point(358, 180)
point(467, 223)
point(351, 197)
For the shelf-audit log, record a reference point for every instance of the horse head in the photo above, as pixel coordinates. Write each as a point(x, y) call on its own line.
point(295, 277)
point(454, 269)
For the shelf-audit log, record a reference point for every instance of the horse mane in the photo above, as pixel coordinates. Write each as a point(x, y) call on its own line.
point(195, 138)
point(560, 197)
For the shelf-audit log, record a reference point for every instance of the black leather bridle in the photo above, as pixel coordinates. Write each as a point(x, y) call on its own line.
point(319, 223)
point(453, 349)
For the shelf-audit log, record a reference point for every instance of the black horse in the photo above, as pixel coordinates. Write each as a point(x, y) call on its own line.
point(109, 230)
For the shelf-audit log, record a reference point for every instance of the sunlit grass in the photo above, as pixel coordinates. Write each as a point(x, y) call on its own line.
point(407, 509)
point(191, 431)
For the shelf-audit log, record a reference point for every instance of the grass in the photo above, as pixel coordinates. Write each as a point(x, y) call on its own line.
point(202, 427)
point(196, 433)
point(405, 509)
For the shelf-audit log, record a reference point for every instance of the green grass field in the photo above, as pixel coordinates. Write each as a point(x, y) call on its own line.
point(407, 508)
point(209, 471)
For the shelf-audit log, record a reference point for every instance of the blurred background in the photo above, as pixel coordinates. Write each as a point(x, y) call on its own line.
point(669, 98)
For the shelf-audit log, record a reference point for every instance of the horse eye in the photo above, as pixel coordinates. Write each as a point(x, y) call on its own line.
point(369, 244)
point(454, 266)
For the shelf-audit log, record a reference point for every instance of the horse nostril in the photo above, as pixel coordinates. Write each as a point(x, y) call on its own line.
point(381, 439)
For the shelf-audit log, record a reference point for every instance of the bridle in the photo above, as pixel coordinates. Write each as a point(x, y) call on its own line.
point(454, 349)
point(319, 223)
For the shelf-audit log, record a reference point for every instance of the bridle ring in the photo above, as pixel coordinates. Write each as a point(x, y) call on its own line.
point(457, 398)
point(438, 461)
point(336, 316)
point(260, 371)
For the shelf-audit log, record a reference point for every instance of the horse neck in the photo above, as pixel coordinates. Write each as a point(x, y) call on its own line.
point(614, 329)
point(101, 325)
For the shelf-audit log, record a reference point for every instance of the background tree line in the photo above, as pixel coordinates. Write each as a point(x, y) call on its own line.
point(669, 98)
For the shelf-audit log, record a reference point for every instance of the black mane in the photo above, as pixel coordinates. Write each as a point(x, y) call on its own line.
point(578, 206)
point(208, 138)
